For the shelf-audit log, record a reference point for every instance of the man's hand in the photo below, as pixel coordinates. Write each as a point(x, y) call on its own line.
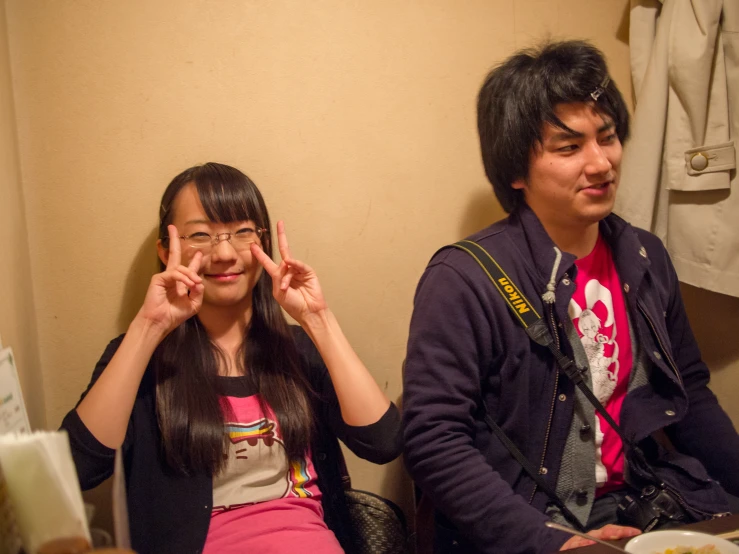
point(606, 533)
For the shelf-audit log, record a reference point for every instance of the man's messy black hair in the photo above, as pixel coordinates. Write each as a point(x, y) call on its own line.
point(519, 96)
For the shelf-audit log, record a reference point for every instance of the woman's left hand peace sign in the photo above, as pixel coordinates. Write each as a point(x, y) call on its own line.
point(295, 285)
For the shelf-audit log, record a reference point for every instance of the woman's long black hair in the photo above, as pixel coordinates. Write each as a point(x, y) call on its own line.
point(190, 414)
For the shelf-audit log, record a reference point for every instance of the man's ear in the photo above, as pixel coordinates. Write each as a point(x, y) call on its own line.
point(162, 252)
point(518, 184)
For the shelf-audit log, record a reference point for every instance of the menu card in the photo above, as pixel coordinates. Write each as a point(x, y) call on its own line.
point(13, 415)
point(13, 418)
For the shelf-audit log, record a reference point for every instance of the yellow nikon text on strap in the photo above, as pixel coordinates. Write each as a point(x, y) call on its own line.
point(517, 302)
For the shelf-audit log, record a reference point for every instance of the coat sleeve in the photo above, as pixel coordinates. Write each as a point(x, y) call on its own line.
point(93, 460)
point(639, 186)
point(440, 402)
point(379, 442)
point(706, 433)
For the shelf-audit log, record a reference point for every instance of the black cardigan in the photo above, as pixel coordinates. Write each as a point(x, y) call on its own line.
point(170, 512)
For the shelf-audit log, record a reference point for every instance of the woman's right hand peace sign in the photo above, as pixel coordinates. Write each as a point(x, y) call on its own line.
point(176, 294)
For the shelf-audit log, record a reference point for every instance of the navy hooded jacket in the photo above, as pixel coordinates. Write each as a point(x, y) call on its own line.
point(465, 346)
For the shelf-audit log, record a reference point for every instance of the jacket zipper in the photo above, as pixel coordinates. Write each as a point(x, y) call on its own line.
point(551, 409)
point(666, 352)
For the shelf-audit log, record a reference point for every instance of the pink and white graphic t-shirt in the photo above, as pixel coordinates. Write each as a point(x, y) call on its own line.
point(598, 312)
point(261, 502)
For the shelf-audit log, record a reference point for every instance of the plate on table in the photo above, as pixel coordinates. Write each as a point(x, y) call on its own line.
point(657, 542)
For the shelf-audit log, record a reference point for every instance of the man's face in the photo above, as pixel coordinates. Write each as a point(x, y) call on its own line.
point(573, 175)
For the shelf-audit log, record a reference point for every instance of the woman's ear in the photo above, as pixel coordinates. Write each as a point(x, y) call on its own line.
point(162, 252)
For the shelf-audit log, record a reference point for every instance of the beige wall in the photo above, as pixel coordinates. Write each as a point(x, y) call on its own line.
point(715, 321)
point(17, 314)
point(356, 119)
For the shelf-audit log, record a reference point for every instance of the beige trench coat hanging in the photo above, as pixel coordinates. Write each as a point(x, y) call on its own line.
point(679, 171)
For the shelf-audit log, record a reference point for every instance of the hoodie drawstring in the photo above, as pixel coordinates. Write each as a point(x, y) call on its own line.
point(548, 296)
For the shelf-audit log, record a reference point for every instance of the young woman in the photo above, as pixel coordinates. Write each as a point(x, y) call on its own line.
point(227, 416)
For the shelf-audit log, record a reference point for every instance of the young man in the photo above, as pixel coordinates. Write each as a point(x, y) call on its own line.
point(551, 125)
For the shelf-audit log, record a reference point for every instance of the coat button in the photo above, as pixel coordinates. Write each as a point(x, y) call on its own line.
point(585, 429)
point(699, 161)
point(657, 355)
point(322, 456)
point(669, 413)
point(543, 471)
point(626, 287)
point(566, 282)
point(562, 397)
point(643, 252)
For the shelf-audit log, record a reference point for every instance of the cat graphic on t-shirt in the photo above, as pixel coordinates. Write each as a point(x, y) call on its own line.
point(258, 469)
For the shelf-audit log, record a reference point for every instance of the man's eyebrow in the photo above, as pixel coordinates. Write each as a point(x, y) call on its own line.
point(569, 134)
point(565, 135)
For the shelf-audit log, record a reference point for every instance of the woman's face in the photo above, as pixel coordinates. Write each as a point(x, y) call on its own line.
point(229, 275)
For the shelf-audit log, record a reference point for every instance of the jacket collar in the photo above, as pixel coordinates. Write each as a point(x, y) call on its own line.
point(530, 237)
point(536, 245)
point(629, 254)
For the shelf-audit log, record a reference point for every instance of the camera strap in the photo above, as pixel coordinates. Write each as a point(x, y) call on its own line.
point(529, 468)
point(538, 331)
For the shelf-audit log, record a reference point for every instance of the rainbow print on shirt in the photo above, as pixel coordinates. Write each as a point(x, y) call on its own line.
point(252, 432)
point(258, 469)
point(299, 476)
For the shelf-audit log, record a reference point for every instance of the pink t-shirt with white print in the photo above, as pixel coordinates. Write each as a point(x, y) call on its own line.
point(598, 311)
point(261, 502)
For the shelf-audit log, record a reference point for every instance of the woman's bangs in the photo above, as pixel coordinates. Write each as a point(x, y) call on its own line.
point(226, 201)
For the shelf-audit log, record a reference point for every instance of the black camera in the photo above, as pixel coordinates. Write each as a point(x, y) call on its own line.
point(654, 508)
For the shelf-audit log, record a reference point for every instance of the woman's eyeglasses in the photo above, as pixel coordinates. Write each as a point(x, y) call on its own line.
point(240, 240)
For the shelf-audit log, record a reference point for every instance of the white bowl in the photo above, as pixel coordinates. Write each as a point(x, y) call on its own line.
point(657, 542)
